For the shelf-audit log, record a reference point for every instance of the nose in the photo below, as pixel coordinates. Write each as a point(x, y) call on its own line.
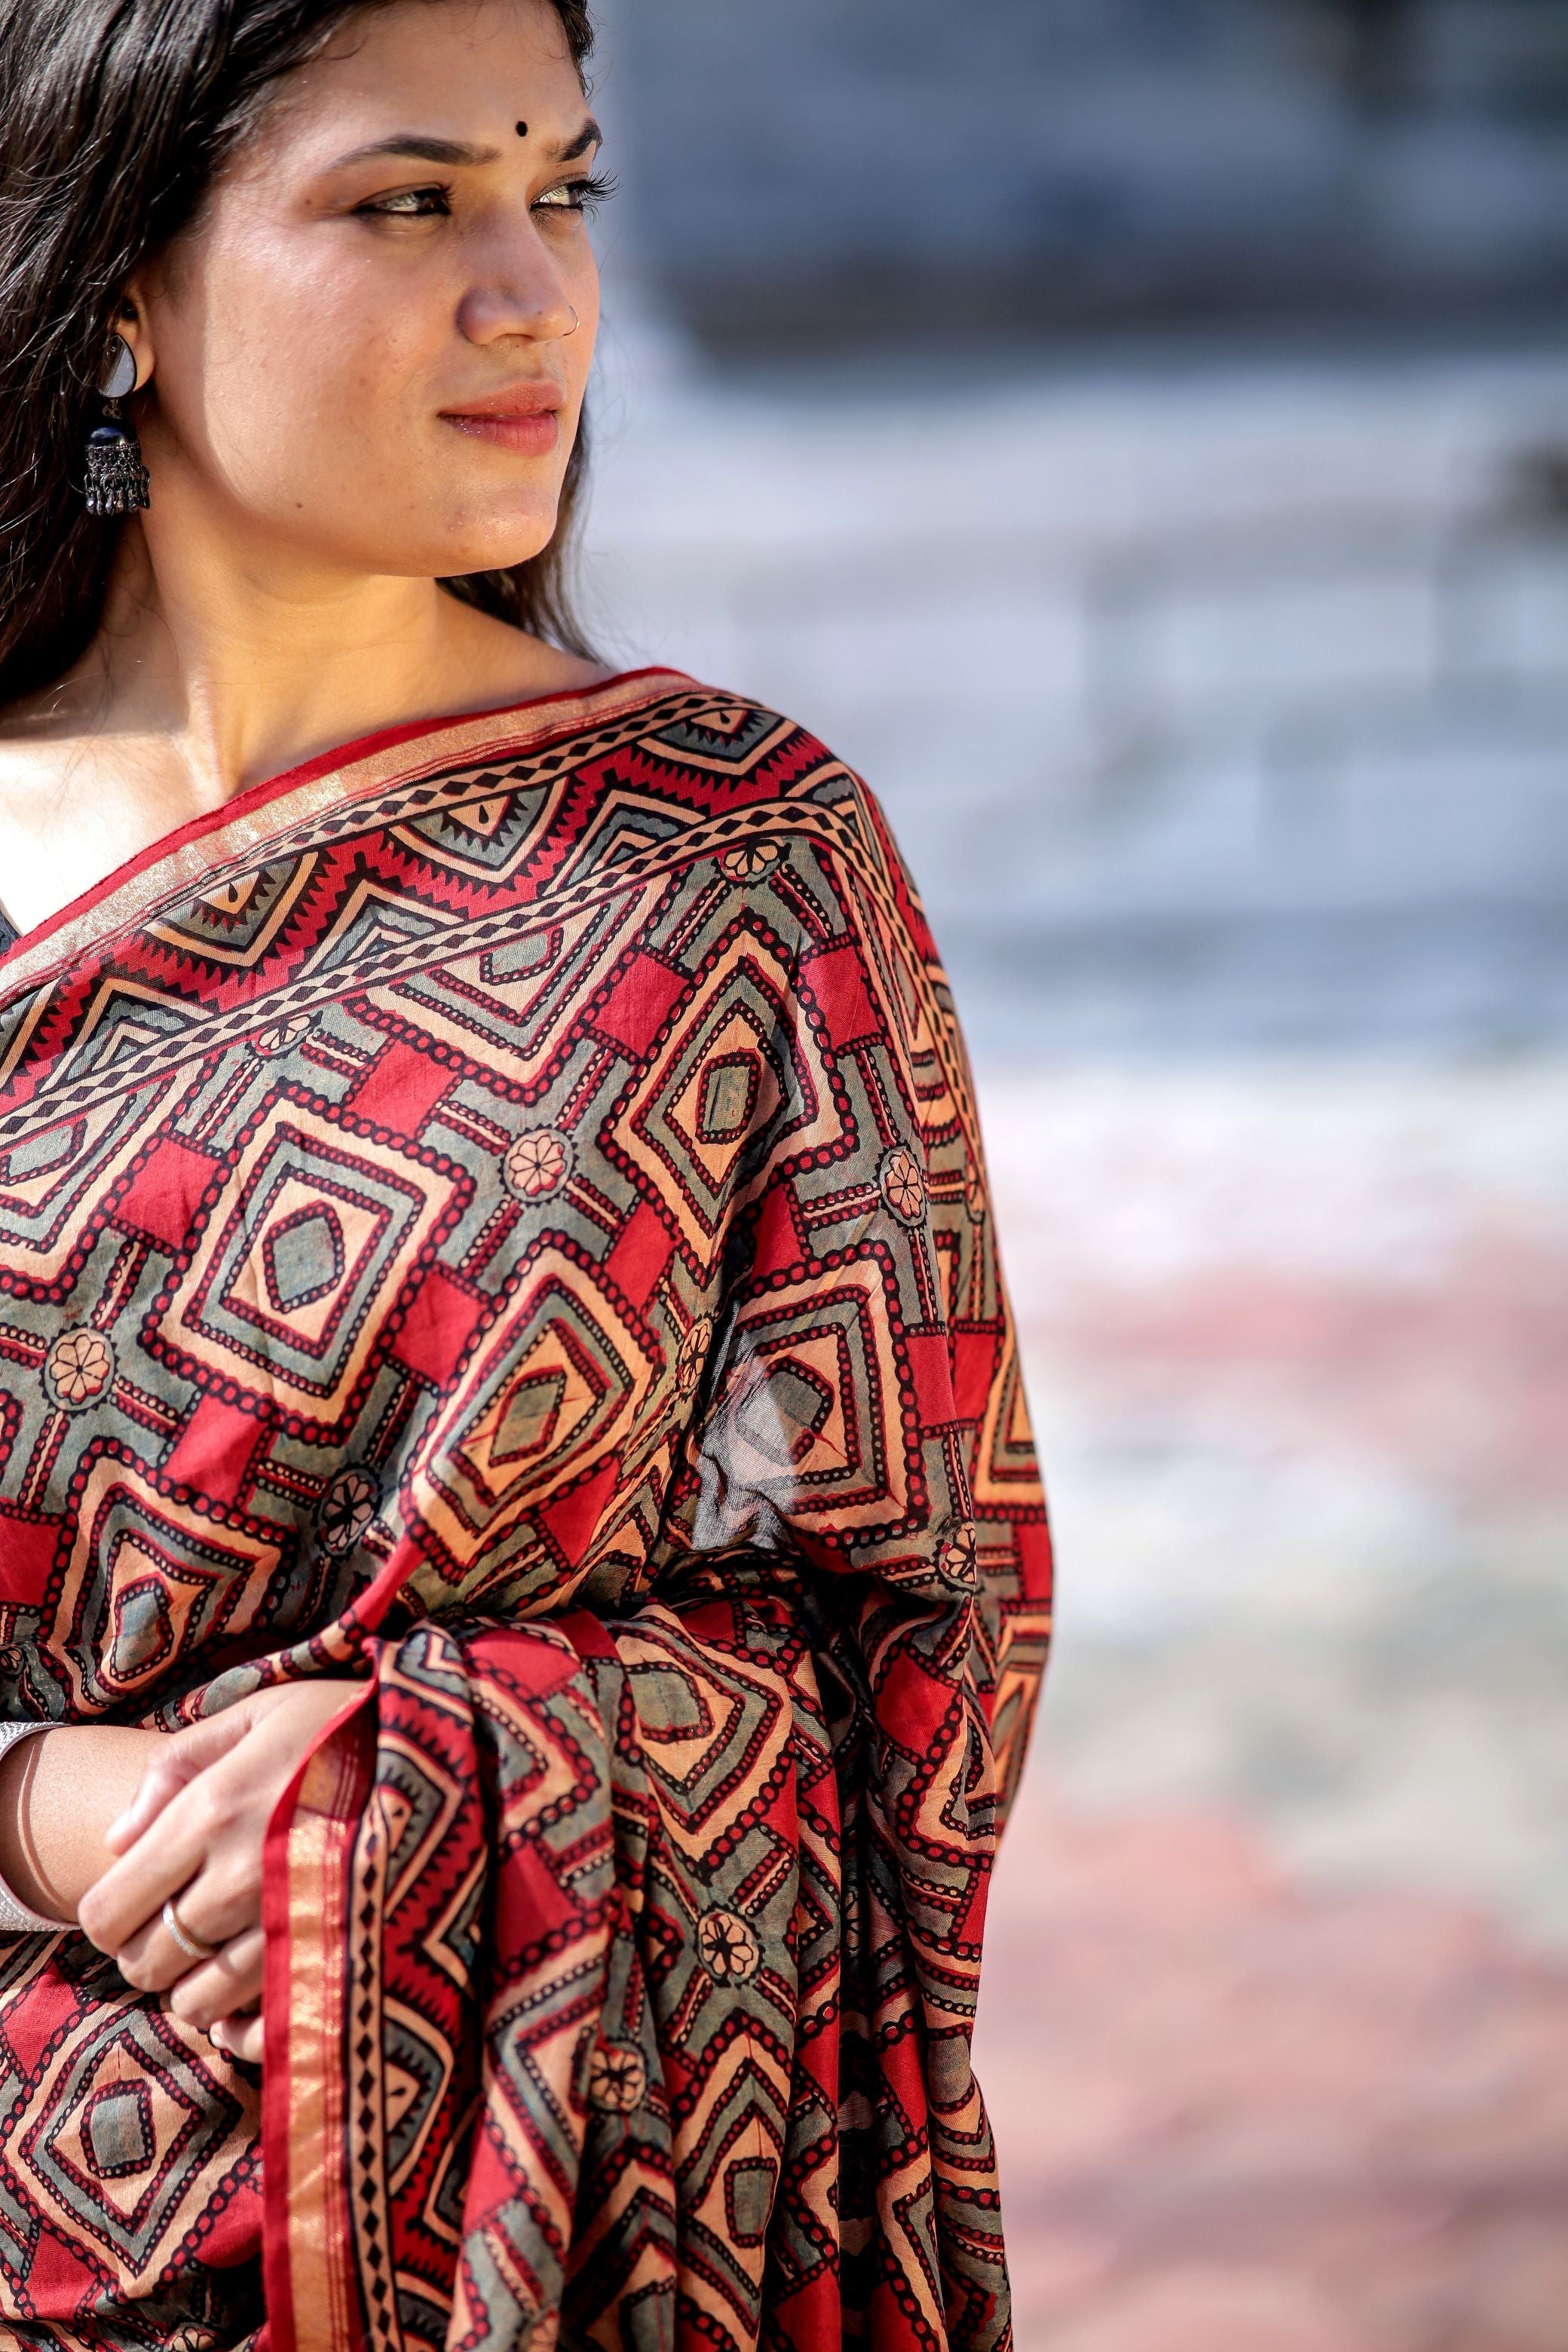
point(517, 296)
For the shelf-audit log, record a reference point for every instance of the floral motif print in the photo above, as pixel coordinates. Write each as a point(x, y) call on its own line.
point(957, 1560)
point(903, 1185)
point(618, 2078)
point(538, 1163)
point(693, 1354)
point(282, 1037)
point(79, 1367)
point(346, 1509)
point(728, 1949)
point(750, 860)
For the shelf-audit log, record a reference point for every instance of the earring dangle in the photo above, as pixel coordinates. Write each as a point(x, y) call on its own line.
point(117, 481)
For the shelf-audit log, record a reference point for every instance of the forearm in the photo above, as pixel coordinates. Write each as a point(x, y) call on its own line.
point(59, 1794)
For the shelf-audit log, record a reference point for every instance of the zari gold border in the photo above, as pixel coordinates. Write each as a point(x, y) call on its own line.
point(312, 2297)
point(255, 819)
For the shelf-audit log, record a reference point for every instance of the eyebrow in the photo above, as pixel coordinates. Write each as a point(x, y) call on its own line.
point(589, 136)
point(453, 153)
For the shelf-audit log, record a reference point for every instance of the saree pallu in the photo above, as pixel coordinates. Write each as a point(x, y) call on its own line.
point(495, 1216)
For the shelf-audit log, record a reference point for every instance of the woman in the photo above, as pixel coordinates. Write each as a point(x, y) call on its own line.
point(520, 1559)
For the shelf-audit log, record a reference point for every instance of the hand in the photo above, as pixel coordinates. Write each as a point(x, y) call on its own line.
point(210, 1792)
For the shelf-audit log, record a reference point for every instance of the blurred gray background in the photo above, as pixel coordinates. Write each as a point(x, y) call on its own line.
point(1191, 372)
point(866, 170)
point(1135, 434)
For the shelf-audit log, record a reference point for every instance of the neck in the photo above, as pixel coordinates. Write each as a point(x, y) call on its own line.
point(241, 667)
point(224, 660)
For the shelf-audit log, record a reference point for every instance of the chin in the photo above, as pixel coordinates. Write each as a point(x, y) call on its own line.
point(495, 551)
point(449, 562)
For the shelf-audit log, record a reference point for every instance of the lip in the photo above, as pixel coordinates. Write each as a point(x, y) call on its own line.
point(526, 418)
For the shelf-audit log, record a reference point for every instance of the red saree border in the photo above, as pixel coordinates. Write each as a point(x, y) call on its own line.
point(33, 959)
point(312, 2293)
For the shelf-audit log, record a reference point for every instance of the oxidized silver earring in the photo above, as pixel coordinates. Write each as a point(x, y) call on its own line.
point(116, 478)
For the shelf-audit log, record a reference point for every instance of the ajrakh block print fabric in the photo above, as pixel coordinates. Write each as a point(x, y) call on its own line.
point(498, 1213)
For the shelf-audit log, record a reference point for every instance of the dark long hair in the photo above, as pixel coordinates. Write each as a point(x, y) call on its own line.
point(115, 115)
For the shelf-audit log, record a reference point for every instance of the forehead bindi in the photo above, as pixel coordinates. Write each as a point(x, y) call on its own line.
point(412, 62)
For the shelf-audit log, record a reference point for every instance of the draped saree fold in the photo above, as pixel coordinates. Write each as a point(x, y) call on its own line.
point(497, 1215)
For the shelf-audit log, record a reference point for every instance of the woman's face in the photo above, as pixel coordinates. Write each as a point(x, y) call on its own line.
point(371, 350)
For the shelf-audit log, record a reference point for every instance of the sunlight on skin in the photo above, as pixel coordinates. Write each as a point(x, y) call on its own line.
point(311, 354)
point(361, 370)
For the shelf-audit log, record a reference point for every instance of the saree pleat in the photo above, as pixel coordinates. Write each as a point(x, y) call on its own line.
point(496, 1216)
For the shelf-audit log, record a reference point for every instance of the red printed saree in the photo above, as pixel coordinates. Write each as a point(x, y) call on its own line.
point(498, 1213)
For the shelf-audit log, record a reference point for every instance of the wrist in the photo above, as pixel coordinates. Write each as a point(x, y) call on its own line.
point(59, 1794)
point(29, 1903)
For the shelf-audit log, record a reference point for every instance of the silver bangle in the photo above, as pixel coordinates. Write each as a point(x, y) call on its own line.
point(15, 1919)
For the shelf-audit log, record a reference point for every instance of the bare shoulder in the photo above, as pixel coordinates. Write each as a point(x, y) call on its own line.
point(502, 663)
point(58, 714)
point(565, 673)
point(49, 741)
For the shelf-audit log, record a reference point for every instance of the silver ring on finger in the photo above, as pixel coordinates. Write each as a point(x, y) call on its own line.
point(192, 1945)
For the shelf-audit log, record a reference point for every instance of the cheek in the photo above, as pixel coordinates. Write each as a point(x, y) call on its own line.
point(582, 289)
point(302, 370)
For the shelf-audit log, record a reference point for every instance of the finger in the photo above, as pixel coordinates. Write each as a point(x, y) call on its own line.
point(242, 2037)
point(133, 1890)
point(181, 1756)
point(222, 1987)
point(210, 1912)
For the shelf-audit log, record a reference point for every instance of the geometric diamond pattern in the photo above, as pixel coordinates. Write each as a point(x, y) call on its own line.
point(287, 1285)
point(506, 1215)
point(130, 2126)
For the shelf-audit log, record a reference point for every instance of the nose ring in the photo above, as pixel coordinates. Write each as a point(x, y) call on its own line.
point(572, 330)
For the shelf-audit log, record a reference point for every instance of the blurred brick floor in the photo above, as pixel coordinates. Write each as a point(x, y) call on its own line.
point(1239, 2115)
point(1274, 2024)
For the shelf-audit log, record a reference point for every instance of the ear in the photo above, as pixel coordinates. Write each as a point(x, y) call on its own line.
point(129, 322)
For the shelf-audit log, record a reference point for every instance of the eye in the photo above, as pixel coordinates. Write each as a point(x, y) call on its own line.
point(408, 203)
point(583, 195)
